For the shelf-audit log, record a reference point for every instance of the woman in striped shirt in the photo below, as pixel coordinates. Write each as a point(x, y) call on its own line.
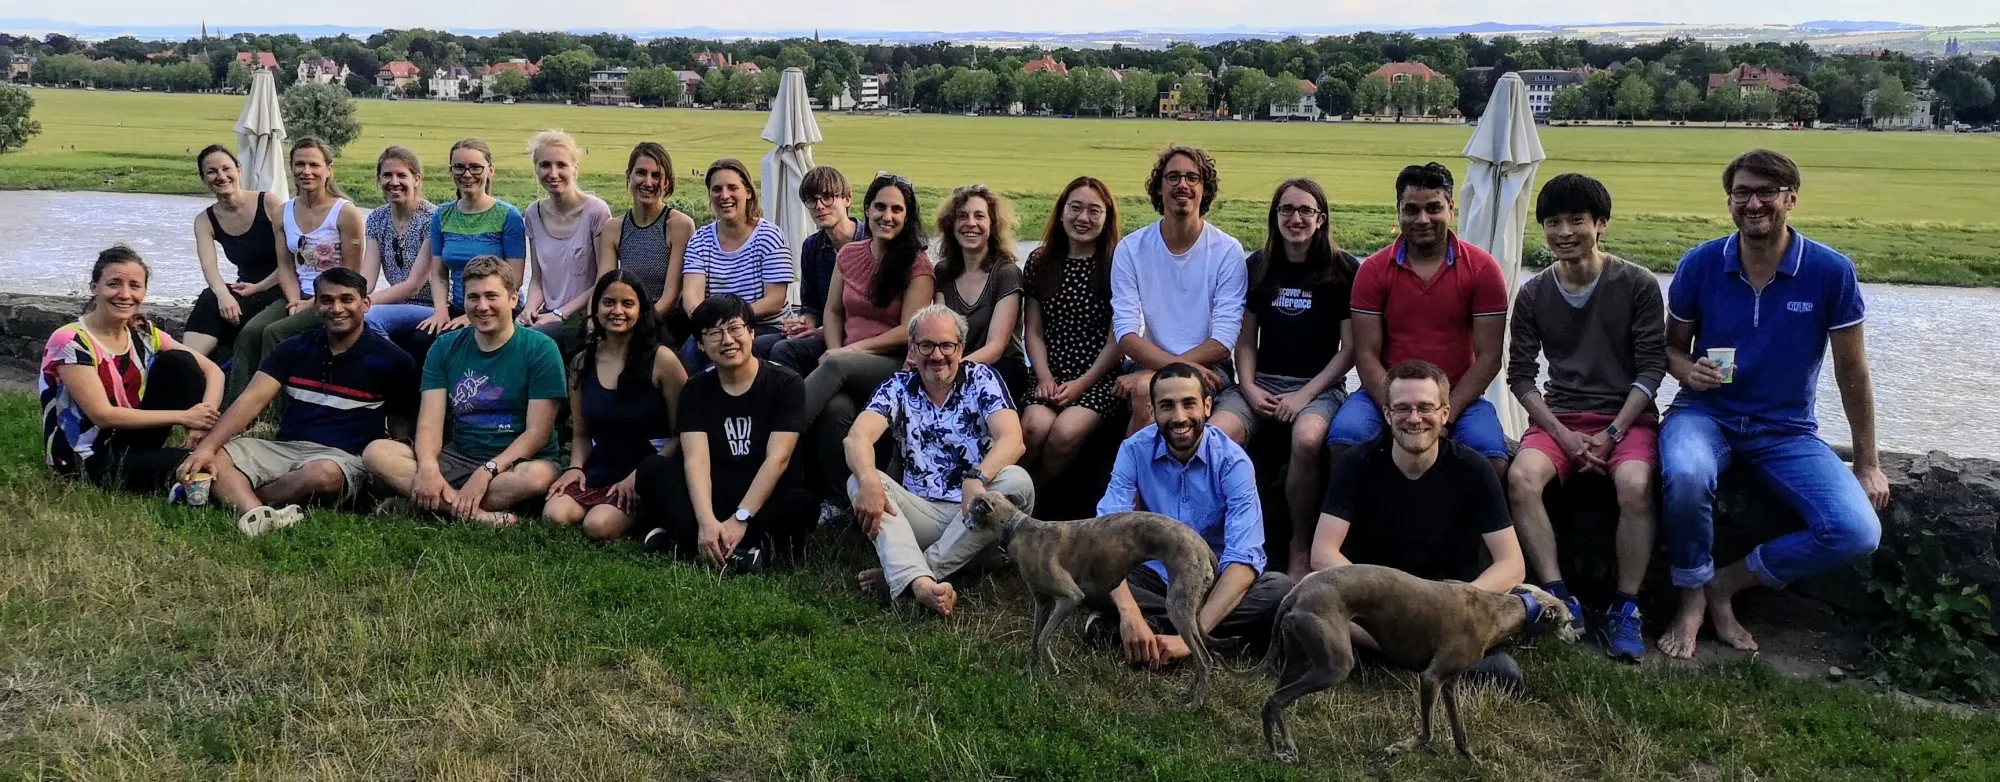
point(740, 253)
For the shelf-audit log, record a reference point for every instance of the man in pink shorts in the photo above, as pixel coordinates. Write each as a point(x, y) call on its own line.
point(1600, 323)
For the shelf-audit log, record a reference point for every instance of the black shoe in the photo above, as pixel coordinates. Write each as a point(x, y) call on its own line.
point(1499, 670)
point(657, 541)
point(747, 562)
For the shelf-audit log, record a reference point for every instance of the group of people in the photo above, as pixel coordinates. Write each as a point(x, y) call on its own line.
point(720, 402)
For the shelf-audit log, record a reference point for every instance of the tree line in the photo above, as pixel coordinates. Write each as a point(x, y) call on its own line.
point(1660, 80)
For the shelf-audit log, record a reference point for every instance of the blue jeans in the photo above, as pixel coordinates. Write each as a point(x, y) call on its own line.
point(1694, 450)
point(1360, 420)
point(399, 318)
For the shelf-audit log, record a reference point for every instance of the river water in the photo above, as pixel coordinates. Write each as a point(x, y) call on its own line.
point(1932, 349)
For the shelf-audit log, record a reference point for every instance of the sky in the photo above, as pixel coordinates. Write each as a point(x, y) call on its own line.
point(961, 15)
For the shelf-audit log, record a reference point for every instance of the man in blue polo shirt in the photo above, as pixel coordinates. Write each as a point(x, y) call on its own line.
point(345, 386)
point(1750, 316)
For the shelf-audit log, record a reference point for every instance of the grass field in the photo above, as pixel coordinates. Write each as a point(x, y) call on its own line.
point(145, 641)
point(1907, 207)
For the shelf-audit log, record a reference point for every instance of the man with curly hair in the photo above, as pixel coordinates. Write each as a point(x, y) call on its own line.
point(1164, 273)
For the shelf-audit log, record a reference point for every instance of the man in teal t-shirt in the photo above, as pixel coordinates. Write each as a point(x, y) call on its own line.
point(486, 433)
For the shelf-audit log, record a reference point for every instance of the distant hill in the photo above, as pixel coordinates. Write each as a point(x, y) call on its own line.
point(1839, 26)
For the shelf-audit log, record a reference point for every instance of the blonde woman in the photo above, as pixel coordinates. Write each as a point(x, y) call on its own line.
point(978, 278)
point(563, 229)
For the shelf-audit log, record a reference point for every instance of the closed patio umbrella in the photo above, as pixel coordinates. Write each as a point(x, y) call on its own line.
point(792, 131)
point(260, 139)
point(1504, 152)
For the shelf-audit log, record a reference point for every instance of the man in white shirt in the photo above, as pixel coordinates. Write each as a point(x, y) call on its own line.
point(1165, 275)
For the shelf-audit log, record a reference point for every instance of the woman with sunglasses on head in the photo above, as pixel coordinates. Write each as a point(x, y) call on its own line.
point(978, 278)
point(395, 241)
point(252, 247)
point(1068, 326)
point(322, 230)
point(651, 240)
point(1295, 348)
point(562, 242)
point(623, 390)
point(741, 254)
point(877, 285)
point(475, 224)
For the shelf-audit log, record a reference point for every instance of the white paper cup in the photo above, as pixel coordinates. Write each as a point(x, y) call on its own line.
point(1725, 362)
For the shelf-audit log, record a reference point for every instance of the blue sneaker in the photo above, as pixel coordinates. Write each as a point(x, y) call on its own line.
point(1623, 639)
point(1575, 613)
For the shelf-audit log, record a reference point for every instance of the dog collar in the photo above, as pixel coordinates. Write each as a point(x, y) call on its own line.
point(1007, 534)
point(1534, 608)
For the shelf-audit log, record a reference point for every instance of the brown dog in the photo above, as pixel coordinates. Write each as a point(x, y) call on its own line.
point(1437, 628)
point(1065, 561)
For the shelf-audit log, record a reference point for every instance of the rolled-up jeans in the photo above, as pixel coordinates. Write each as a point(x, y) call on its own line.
point(1801, 469)
point(923, 537)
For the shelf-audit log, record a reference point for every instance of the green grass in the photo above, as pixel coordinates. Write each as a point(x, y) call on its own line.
point(1907, 207)
point(139, 640)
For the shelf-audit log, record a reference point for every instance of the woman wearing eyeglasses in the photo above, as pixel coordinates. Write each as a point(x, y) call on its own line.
point(474, 225)
point(395, 236)
point(978, 278)
point(1068, 324)
point(1295, 348)
point(877, 285)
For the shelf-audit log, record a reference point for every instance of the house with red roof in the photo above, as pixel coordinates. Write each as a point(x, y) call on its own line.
point(258, 60)
point(1746, 77)
point(396, 75)
point(1404, 71)
point(1045, 63)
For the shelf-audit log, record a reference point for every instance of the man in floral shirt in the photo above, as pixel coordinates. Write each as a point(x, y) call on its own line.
point(959, 436)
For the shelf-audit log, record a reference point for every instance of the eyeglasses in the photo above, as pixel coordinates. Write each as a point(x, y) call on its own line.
point(930, 348)
point(1743, 195)
point(894, 178)
point(732, 331)
point(820, 200)
point(1178, 177)
point(463, 169)
point(972, 190)
point(1076, 208)
point(1307, 212)
point(1426, 410)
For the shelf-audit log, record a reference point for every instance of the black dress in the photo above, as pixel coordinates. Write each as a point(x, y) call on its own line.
point(1075, 326)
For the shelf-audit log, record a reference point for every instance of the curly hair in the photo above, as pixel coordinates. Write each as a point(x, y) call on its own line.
point(1210, 182)
point(999, 238)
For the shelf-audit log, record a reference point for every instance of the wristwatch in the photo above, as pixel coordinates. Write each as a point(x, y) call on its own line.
point(1616, 434)
point(492, 467)
point(973, 474)
point(743, 515)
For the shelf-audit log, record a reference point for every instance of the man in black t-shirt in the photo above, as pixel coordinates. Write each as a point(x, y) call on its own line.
point(733, 496)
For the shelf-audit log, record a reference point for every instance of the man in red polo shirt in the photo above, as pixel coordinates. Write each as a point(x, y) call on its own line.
point(1427, 297)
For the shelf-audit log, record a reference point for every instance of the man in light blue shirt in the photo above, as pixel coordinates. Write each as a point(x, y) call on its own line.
point(1185, 469)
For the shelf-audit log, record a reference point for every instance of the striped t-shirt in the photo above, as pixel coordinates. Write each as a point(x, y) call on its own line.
point(761, 260)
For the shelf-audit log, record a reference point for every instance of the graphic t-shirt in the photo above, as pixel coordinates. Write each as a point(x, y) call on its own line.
point(342, 400)
point(1298, 328)
point(457, 237)
point(68, 436)
point(487, 392)
point(739, 427)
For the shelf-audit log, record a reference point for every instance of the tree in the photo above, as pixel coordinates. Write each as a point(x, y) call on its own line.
point(1891, 101)
point(1760, 104)
point(1140, 92)
point(1568, 103)
point(1042, 90)
point(1634, 98)
point(239, 76)
point(1194, 93)
point(512, 83)
point(16, 124)
point(655, 86)
point(712, 85)
point(1964, 93)
point(1683, 100)
point(1335, 96)
point(1095, 89)
point(1798, 103)
point(1440, 97)
point(568, 73)
point(1725, 103)
point(740, 88)
point(1285, 92)
point(322, 111)
point(828, 88)
point(767, 82)
point(1407, 96)
point(794, 56)
point(1245, 89)
point(1371, 95)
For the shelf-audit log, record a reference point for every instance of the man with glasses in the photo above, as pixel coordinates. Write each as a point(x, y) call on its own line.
point(1750, 318)
point(958, 436)
point(1418, 502)
point(733, 496)
point(1165, 276)
point(828, 197)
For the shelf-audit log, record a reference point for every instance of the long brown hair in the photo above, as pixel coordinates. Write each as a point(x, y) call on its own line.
point(1323, 256)
point(325, 153)
point(1045, 266)
point(999, 239)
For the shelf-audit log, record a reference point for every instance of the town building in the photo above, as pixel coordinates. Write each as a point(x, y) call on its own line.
point(690, 82)
point(323, 70)
point(489, 78)
point(1404, 71)
point(607, 86)
point(1745, 77)
point(452, 82)
point(19, 66)
point(705, 60)
point(258, 60)
point(1919, 116)
point(1306, 108)
point(1543, 83)
point(397, 75)
point(1045, 63)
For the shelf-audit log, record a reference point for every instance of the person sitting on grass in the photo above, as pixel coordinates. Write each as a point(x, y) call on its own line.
point(1066, 318)
point(485, 438)
point(959, 436)
point(623, 388)
point(1185, 469)
point(733, 496)
point(113, 387)
point(651, 239)
point(344, 386)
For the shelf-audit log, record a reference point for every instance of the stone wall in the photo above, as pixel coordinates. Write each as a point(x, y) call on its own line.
point(27, 320)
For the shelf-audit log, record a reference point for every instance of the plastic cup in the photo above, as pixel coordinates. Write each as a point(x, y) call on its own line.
point(1725, 362)
point(197, 488)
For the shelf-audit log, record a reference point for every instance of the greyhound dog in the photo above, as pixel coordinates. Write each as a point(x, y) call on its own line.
point(1065, 561)
point(1437, 628)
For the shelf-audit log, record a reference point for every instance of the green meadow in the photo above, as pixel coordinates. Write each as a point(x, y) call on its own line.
point(1908, 207)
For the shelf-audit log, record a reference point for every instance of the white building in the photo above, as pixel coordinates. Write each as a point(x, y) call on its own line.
point(451, 83)
point(1306, 108)
point(1919, 116)
point(323, 71)
point(1542, 85)
point(871, 93)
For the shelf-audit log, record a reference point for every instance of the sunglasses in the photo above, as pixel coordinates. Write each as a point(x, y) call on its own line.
point(894, 178)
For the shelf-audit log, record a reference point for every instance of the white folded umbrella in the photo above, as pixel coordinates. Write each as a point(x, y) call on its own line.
point(792, 131)
point(1493, 205)
point(260, 139)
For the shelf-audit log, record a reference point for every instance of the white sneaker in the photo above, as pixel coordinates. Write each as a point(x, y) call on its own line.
point(265, 518)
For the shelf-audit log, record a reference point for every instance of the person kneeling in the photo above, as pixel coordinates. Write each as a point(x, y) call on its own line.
point(959, 436)
point(345, 386)
point(1182, 467)
point(499, 388)
point(739, 426)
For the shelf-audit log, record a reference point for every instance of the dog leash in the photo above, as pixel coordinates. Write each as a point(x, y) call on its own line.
point(1534, 608)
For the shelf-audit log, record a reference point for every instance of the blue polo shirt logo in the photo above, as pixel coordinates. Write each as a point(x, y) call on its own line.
point(1799, 306)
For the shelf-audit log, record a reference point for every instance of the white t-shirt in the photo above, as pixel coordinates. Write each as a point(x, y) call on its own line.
point(1179, 301)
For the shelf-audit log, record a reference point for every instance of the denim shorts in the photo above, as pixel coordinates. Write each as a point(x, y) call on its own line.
point(1360, 420)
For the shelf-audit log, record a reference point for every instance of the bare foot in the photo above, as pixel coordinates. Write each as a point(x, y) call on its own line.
point(494, 518)
point(871, 580)
point(1678, 641)
point(935, 596)
point(1722, 616)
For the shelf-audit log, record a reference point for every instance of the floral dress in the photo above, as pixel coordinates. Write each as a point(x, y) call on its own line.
point(1075, 326)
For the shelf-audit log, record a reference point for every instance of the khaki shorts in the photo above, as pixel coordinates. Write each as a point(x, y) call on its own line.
point(264, 461)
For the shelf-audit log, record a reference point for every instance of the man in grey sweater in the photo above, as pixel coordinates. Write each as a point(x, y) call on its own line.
point(1599, 322)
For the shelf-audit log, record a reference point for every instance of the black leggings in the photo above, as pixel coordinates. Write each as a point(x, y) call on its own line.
point(138, 460)
point(780, 527)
